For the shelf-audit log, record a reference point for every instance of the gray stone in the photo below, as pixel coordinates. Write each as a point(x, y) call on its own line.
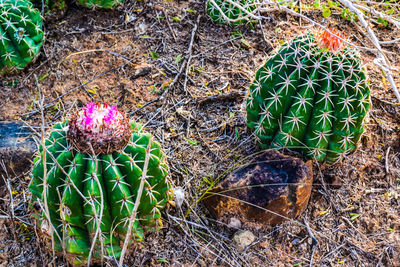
point(243, 239)
point(17, 148)
point(235, 223)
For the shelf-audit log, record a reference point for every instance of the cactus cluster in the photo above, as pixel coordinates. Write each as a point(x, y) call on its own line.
point(105, 4)
point(312, 95)
point(88, 179)
point(235, 10)
point(21, 34)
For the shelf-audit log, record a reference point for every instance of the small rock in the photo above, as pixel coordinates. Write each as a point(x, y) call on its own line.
point(296, 241)
point(372, 224)
point(265, 244)
point(184, 113)
point(179, 195)
point(243, 239)
point(141, 28)
point(140, 72)
point(235, 223)
point(269, 189)
point(201, 263)
point(158, 7)
point(342, 226)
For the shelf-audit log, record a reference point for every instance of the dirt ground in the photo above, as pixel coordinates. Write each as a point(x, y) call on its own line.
point(129, 56)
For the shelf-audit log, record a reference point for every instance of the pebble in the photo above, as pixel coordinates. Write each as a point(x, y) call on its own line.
point(179, 195)
point(235, 223)
point(242, 239)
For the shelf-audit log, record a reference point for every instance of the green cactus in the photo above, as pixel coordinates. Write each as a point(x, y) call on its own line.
point(311, 95)
point(95, 165)
point(105, 4)
point(21, 34)
point(235, 14)
point(52, 9)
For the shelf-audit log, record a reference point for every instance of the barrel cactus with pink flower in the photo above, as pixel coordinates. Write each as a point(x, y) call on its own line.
point(87, 179)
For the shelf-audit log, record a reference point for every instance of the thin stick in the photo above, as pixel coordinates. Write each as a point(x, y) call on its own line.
point(44, 160)
point(7, 182)
point(314, 240)
point(387, 161)
point(169, 26)
point(98, 219)
point(378, 14)
point(137, 203)
point(189, 52)
point(382, 60)
point(86, 201)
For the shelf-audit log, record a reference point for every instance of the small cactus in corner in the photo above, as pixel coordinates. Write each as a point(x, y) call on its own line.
point(231, 12)
point(52, 9)
point(311, 95)
point(21, 34)
point(104, 4)
point(88, 180)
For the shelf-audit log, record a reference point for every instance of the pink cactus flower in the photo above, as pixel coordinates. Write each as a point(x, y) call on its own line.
point(99, 119)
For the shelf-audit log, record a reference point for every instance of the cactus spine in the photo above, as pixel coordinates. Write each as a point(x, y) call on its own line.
point(21, 34)
point(231, 12)
point(312, 95)
point(90, 197)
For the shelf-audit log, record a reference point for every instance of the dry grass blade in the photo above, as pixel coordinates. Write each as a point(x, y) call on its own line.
point(382, 61)
point(6, 179)
point(137, 203)
point(98, 217)
point(45, 207)
point(189, 52)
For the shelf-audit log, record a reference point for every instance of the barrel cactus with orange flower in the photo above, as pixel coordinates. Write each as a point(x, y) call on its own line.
point(99, 180)
point(311, 95)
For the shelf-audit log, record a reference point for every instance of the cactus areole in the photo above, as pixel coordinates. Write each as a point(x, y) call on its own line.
point(311, 95)
point(21, 34)
point(88, 181)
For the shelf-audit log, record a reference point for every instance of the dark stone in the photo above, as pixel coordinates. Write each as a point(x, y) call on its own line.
point(267, 191)
point(17, 148)
point(140, 73)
